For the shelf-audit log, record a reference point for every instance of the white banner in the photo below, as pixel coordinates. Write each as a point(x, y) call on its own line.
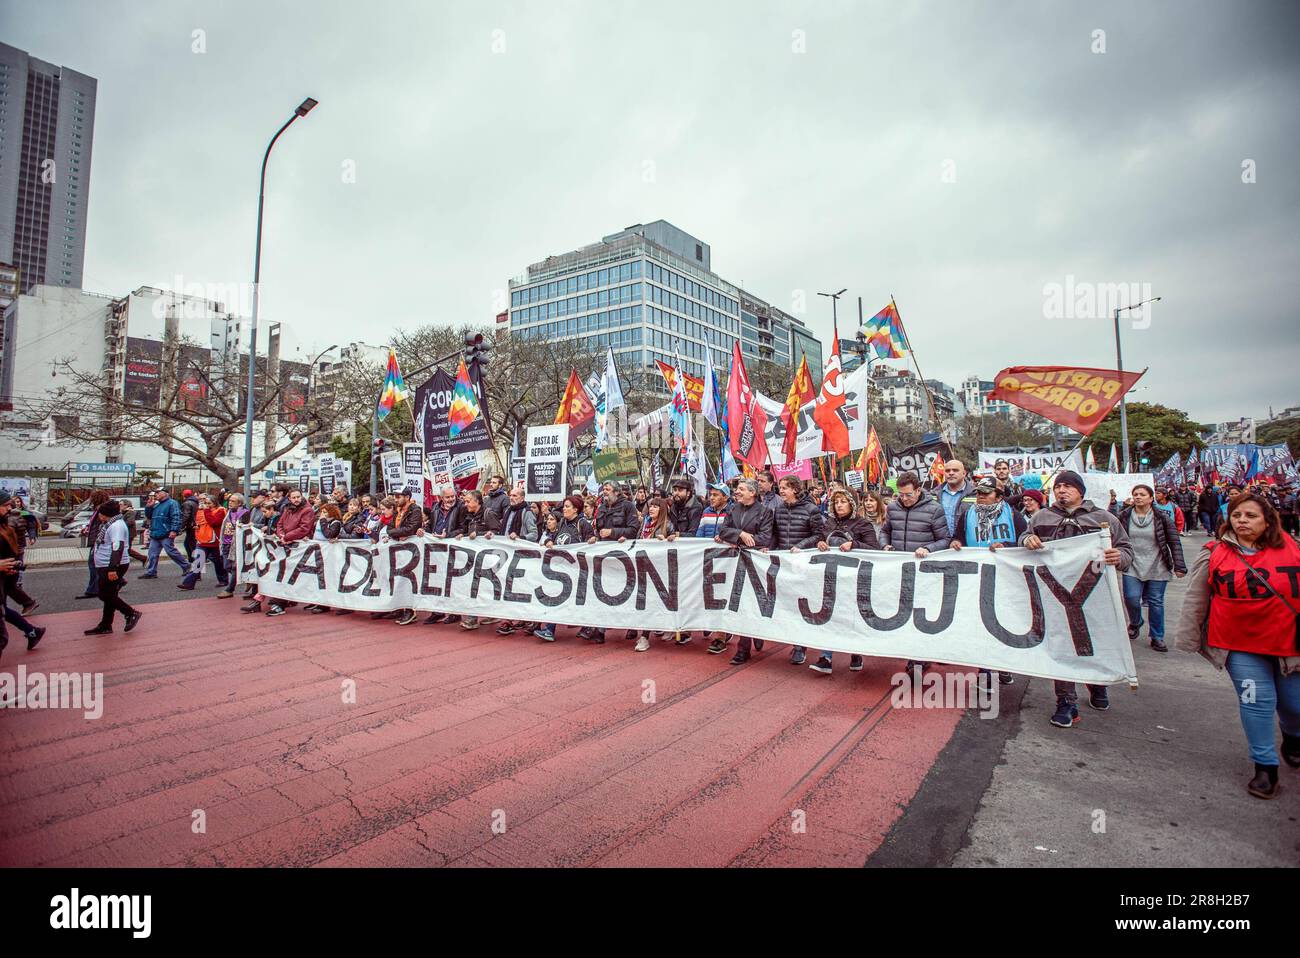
point(1023, 462)
point(1099, 485)
point(1054, 613)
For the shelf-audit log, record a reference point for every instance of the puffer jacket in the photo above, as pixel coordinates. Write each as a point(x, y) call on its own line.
point(923, 526)
point(840, 530)
point(755, 518)
point(1055, 522)
point(621, 518)
point(408, 523)
point(1167, 540)
point(570, 532)
point(797, 526)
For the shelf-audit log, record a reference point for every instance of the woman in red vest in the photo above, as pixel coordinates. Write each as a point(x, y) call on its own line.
point(1241, 612)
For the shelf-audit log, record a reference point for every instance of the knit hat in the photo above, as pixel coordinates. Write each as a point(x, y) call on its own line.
point(1035, 495)
point(1070, 478)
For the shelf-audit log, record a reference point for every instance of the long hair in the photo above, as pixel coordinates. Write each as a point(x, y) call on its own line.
point(660, 526)
point(1272, 536)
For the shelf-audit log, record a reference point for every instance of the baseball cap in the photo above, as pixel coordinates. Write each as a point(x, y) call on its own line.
point(720, 487)
point(987, 485)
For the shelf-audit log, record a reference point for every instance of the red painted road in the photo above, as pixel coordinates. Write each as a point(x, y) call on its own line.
point(242, 716)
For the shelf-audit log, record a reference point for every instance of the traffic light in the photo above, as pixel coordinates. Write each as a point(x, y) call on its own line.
point(1144, 453)
point(380, 445)
point(477, 350)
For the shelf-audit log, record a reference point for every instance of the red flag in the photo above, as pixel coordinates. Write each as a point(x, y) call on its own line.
point(694, 386)
point(835, 430)
point(801, 393)
point(1078, 397)
point(936, 469)
point(869, 461)
point(745, 418)
point(575, 408)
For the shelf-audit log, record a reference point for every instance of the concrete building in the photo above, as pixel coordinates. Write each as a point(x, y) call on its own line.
point(146, 345)
point(648, 292)
point(47, 126)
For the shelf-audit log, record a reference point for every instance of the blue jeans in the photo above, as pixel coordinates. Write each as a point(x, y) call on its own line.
point(1207, 520)
point(1136, 592)
point(1262, 690)
point(92, 584)
point(14, 617)
point(166, 544)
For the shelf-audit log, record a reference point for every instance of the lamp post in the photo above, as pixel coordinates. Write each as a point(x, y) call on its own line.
point(1119, 365)
point(303, 109)
point(835, 299)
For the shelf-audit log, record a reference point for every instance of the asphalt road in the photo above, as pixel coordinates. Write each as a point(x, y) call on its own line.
point(56, 589)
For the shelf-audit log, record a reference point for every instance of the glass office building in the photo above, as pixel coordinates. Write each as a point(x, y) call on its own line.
point(648, 292)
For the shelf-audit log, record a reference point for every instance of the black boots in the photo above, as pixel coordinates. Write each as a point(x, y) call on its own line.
point(1291, 750)
point(1264, 784)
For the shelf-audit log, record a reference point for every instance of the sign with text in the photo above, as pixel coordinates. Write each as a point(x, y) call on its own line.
point(413, 467)
point(326, 480)
point(546, 458)
point(393, 471)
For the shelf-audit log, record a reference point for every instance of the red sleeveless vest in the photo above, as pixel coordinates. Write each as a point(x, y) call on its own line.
point(1246, 617)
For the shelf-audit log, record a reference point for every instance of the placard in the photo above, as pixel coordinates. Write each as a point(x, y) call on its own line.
point(853, 478)
point(326, 478)
point(413, 466)
point(438, 470)
point(546, 458)
point(390, 465)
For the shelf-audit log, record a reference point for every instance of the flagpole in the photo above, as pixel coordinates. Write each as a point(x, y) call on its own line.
point(934, 410)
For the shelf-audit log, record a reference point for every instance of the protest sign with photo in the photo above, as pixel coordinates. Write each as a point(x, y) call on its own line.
point(1099, 484)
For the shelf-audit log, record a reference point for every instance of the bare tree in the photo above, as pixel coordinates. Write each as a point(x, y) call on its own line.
point(195, 414)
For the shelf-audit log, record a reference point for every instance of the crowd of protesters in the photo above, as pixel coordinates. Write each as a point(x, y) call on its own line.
point(1247, 627)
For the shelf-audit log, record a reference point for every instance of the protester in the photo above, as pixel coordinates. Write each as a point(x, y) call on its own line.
point(767, 493)
point(189, 509)
point(296, 523)
point(164, 526)
point(518, 522)
point(955, 489)
point(407, 521)
point(711, 518)
point(329, 528)
point(1186, 500)
point(208, 519)
point(1157, 558)
point(685, 509)
point(844, 531)
point(1031, 501)
point(748, 525)
point(657, 524)
point(495, 498)
point(236, 513)
point(1072, 515)
point(1207, 505)
point(11, 564)
point(872, 508)
point(1241, 611)
point(915, 522)
point(111, 564)
point(797, 523)
point(1009, 488)
point(613, 520)
point(1230, 496)
point(570, 527)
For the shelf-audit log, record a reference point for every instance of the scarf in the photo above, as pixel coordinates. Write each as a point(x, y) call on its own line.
point(984, 519)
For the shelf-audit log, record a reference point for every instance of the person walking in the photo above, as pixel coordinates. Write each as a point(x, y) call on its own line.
point(189, 509)
point(97, 499)
point(11, 565)
point(164, 526)
point(614, 520)
point(112, 538)
point(708, 526)
point(1241, 611)
point(234, 517)
point(207, 540)
point(1072, 515)
point(517, 522)
point(296, 523)
point(473, 520)
point(1157, 558)
point(1207, 506)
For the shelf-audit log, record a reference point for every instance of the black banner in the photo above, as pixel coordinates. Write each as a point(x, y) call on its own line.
point(433, 400)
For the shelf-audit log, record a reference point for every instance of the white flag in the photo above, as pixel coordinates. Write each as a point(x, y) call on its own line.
point(613, 391)
point(707, 405)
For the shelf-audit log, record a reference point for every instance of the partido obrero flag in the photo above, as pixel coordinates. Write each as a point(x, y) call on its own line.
point(394, 390)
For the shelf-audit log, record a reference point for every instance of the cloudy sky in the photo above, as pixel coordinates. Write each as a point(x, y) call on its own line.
point(961, 156)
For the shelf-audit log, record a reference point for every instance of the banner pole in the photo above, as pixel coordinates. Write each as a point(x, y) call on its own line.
point(934, 410)
point(1116, 596)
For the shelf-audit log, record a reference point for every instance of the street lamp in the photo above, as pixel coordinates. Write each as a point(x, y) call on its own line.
point(303, 109)
point(1119, 365)
point(835, 299)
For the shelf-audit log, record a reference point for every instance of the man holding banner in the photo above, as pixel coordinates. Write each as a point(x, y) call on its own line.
point(1071, 515)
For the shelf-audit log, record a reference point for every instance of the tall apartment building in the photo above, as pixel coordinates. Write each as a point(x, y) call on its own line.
point(47, 125)
point(649, 292)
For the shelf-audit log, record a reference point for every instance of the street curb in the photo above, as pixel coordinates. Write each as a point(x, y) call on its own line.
point(934, 826)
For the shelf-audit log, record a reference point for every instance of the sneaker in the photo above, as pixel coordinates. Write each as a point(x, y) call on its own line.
point(486, 621)
point(585, 632)
point(451, 620)
point(99, 630)
point(275, 610)
point(1006, 678)
point(407, 617)
point(469, 623)
point(30, 608)
point(1159, 645)
point(717, 647)
point(1099, 699)
point(316, 609)
point(34, 639)
point(822, 665)
point(741, 657)
point(597, 636)
point(187, 588)
point(546, 635)
point(1067, 714)
point(132, 619)
point(148, 575)
point(682, 638)
point(225, 594)
point(642, 645)
point(798, 656)
point(434, 618)
point(253, 606)
point(506, 628)
point(629, 635)
point(855, 663)
point(758, 645)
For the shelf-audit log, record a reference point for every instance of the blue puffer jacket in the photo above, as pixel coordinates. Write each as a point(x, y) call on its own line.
point(166, 519)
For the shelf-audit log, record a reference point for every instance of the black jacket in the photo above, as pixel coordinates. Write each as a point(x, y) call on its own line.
point(755, 518)
point(436, 521)
point(570, 532)
point(1167, 542)
point(621, 518)
point(408, 525)
point(189, 508)
point(797, 526)
point(496, 502)
point(331, 529)
point(860, 532)
point(1208, 501)
point(685, 517)
point(477, 523)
